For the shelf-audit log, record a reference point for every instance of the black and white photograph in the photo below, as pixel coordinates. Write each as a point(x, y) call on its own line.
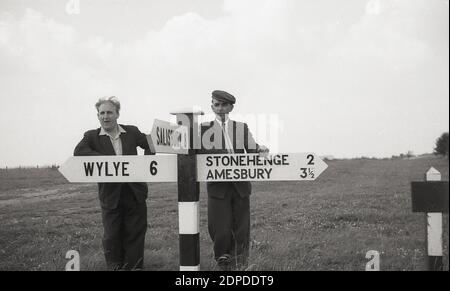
point(226, 140)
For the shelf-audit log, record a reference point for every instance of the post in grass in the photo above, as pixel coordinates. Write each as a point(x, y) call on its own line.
point(188, 195)
point(431, 197)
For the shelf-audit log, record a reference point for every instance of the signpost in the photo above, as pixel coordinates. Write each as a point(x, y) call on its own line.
point(188, 169)
point(188, 196)
point(170, 138)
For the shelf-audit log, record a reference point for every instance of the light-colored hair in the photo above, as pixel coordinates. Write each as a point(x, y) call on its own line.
point(112, 99)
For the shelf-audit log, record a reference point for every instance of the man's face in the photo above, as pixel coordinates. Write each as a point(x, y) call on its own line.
point(107, 115)
point(221, 109)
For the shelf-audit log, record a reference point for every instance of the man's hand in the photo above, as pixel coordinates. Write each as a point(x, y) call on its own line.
point(263, 151)
point(151, 150)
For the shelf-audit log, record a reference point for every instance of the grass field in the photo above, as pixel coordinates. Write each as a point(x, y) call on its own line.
point(328, 224)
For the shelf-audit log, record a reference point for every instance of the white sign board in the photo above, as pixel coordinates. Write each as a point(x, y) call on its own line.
point(210, 168)
point(90, 169)
point(255, 167)
point(170, 138)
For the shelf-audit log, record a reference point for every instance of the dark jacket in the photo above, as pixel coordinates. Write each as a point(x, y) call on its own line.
point(94, 144)
point(212, 143)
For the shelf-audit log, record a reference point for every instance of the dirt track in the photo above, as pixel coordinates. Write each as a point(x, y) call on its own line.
point(31, 195)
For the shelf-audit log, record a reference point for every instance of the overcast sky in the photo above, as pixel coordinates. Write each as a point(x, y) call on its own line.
point(344, 78)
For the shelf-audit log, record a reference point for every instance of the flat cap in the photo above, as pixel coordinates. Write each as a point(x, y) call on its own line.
point(223, 96)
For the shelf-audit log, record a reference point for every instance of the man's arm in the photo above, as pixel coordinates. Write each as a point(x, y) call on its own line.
point(250, 144)
point(145, 142)
point(84, 148)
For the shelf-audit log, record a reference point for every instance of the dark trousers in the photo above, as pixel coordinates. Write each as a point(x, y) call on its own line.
point(124, 232)
point(229, 226)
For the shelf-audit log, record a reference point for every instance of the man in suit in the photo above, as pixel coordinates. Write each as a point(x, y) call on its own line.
point(228, 202)
point(124, 210)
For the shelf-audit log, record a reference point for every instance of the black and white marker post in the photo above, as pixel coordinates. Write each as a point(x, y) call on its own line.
point(188, 195)
point(431, 197)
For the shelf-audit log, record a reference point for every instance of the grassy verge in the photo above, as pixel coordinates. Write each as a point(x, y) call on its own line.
point(328, 224)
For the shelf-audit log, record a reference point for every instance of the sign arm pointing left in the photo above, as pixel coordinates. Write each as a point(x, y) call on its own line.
point(120, 169)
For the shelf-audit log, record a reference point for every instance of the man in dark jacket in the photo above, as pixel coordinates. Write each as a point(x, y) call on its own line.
point(228, 202)
point(124, 209)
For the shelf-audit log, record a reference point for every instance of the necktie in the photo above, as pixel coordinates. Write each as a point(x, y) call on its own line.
point(226, 139)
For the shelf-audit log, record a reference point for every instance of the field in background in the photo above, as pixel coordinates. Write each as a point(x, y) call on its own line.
point(328, 224)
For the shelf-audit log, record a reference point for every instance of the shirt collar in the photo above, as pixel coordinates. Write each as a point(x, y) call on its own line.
point(103, 132)
point(220, 121)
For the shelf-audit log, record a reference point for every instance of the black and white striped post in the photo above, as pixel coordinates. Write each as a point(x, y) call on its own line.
point(431, 197)
point(188, 195)
point(434, 230)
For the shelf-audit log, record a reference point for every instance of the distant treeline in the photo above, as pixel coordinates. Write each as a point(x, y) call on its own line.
point(408, 155)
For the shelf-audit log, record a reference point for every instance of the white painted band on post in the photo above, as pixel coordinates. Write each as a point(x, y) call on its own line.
point(190, 268)
point(432, 175)
point(434, 221)
point(434, 230)
point(188, 218)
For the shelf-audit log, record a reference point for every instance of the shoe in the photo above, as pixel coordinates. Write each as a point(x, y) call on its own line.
point(224, 258)
point(224, 262)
